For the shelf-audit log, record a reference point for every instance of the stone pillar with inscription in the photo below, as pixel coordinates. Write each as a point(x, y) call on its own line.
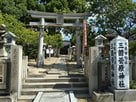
point(16, 69)
point(93, 70)
point(119, 62)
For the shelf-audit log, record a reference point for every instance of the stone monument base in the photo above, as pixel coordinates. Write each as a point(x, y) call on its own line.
point(125, 95)
point(102, 97)
point(10, 98)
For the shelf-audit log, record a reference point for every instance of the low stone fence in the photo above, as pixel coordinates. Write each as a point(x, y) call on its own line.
point(98, 71)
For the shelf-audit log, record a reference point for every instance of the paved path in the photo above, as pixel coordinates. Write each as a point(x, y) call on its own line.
point(55, 97)
point(55, 64)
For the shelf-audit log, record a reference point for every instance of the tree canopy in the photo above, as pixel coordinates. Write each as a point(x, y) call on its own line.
point(24, 35)
point(111, 15)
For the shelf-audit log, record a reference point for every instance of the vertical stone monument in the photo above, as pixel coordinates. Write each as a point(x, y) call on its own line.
point(119, 62)
point(93, 70)
point(16, 69)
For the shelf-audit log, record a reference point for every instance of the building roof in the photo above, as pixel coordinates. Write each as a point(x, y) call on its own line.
point(100, 37)
point(7, 34)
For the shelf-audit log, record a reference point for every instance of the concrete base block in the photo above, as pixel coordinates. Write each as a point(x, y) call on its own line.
point(102, 97)
point(11, 98)
point(125, 95)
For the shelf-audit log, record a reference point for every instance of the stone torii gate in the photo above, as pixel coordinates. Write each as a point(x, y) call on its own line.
point(60, 22)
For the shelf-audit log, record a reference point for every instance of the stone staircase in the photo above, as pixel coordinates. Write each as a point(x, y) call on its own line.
point(53, 80)
point(33, 85)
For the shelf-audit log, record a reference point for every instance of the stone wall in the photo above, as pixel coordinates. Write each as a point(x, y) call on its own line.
point(11, 98)
point(95, 70)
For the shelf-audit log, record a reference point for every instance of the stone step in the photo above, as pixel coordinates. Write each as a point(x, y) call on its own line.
point(63, 75)
point(26, 98)
point(54, 72)
point(86, 95)
point(55, 85)
point(55, 79)
point(36, 75)
point(34, 91)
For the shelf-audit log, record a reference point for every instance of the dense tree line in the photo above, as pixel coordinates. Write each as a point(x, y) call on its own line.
point(112, 16)
point(116, 17)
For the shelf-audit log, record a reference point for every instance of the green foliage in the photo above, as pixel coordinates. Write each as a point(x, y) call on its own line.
point(57, 6)
point(55, 40)
point(133, 84)
point(73, 40)
point(77, 5)
point(31, 4)
point(111, 15)
point(24, 35)
point(14, 7)
point(132, 48)
point(31, 50)
point(91, 40)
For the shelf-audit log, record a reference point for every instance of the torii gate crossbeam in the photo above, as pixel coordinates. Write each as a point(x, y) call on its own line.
point(59, 22)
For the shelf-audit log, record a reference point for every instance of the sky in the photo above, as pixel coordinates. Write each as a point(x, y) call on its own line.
point(65, 37)
point(134, 0)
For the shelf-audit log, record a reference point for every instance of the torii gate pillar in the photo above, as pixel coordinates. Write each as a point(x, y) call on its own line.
point(78, 44)
point(40, 59)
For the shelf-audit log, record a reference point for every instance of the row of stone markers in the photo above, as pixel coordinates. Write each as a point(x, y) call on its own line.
point(108, 69)
point(12, 73)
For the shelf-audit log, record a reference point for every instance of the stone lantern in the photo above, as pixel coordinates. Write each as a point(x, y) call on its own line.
point(99, 42)
point(10, 38)
point(4, 64)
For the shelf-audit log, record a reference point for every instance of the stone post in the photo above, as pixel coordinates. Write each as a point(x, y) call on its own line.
point(16, 69)
point(24, 67)
point(103, 74)
point(92, 70)
point(86, 65)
